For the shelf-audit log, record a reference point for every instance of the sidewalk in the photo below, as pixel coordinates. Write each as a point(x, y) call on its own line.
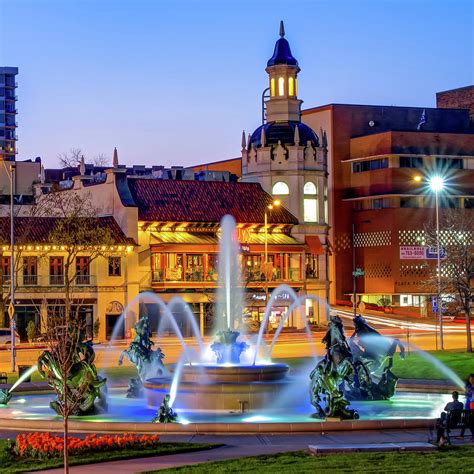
point(244, 446)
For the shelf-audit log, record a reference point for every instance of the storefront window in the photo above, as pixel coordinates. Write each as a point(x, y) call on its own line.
point(194, 267)
point(212, 266)
point(174, 267)
point(312, 268)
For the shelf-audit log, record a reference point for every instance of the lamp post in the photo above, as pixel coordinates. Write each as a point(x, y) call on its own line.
point(275, 203)
point(356, 272)
point(11, 308)
point(437, 184)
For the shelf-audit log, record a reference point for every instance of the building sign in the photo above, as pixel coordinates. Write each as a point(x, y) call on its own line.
point(244, 248)
point(420, 252)
point(432, 252)
point(412, 252)
point(281, 297)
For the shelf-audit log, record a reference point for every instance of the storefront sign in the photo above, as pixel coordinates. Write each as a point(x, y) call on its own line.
point(244, 248)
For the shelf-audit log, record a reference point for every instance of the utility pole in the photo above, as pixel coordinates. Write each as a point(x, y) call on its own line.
point(11, 308)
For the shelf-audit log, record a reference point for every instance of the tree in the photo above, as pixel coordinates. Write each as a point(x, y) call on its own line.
point(457, 269)
point(82, 238)
point(72, 159)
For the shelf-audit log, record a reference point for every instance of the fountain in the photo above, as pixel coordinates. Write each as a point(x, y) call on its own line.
point(233, 379)
point(225, 384)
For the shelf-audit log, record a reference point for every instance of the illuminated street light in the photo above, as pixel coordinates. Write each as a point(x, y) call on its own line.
point(436, 184)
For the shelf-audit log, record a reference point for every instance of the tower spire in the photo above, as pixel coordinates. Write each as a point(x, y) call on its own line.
point(244, 144)
point(115, 161)
point(297, 136)
point(82, 166)
point(282, 29)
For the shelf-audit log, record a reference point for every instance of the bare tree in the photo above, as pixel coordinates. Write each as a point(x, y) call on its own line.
point(457, 268)
point(79, 234)
point(72, 159)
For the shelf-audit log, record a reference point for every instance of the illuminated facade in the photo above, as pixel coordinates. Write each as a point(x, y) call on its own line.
point(379, 161)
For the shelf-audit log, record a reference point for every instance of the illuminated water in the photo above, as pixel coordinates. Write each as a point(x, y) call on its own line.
point(404, 405)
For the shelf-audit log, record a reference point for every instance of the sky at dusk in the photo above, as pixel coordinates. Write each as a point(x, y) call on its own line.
point(175, 82)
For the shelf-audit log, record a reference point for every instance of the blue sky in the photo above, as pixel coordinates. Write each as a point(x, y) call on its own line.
point(175, 82)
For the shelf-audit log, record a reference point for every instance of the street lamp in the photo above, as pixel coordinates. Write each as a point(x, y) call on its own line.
point(270, 207)
point(11, 308)
point(436, 184)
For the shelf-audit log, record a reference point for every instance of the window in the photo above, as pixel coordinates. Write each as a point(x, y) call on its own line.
point(115, 266)
point(56, 271)
point(272, 86)
point(448, 202)
point(281, 86)
point(280, 188)
point(82, 271)
point(411, 162)
point(310, 211)
point(30, 270)
point(449, 163)
point(409, 202)
point(291, 86)
point(369, 165)
point(194, 267)
point(5, 270)
point(381, 203)
point(468, 203)
point(326, 208)
point(310, 202)
point(309, 188)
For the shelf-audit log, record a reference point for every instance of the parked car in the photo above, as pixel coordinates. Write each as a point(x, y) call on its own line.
point(5, 336)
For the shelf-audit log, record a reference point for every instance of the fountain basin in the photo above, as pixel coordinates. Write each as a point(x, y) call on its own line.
point(222, 387)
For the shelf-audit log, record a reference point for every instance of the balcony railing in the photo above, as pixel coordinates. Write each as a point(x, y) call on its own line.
point(56, 280)
point(83, 280)
point(30, 280)
point(176, 276)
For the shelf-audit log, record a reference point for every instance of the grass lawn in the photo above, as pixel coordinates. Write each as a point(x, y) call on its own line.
point(9, 464)
point(417, 365)
point(452, 459)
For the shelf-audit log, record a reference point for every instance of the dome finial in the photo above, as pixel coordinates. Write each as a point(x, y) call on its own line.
point(282, 29)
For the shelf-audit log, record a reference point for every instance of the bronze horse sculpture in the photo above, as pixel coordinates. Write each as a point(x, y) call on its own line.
point(147, 361)
point(356, 370)
point(376, 352)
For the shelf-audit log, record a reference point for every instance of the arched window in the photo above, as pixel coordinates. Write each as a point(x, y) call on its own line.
point(291, 87)
point(280, 189)
point(310, 202)
point(272, 86)
point(281, 86)
point(309, 188)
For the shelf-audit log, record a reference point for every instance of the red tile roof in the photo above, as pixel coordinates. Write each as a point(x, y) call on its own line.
point(36, 230)
point(204, 201)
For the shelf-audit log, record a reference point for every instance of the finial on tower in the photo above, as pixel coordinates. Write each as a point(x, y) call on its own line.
point(263, 138)
point(297, 136)
point(82, 166)
point(282, 29)
point(115, 161)
point(244, 141)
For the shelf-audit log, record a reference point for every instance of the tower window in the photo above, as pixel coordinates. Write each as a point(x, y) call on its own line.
point(281, 86)
point(310, 188)
point(272, 86)
point(310, 202)
point(281, 189)
point(291, 86)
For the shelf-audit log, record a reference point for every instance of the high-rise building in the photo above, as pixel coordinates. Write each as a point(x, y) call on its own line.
point(8, 113)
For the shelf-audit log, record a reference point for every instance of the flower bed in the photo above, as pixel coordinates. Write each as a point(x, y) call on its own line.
point(46, 445)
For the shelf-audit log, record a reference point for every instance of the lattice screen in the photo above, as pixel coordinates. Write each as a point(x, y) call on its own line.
point(411, 271)
point(373, 239)
point(343, 242)
point(411, 237)
point(378, 270)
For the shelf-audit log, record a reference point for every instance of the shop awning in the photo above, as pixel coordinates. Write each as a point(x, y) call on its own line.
point(272, 239)
point(314, 244)
point(183, 238)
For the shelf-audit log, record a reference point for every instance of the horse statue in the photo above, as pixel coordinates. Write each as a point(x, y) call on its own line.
point(376, 351)
point(332, 373)
point(84, 388)
point(147, 361)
